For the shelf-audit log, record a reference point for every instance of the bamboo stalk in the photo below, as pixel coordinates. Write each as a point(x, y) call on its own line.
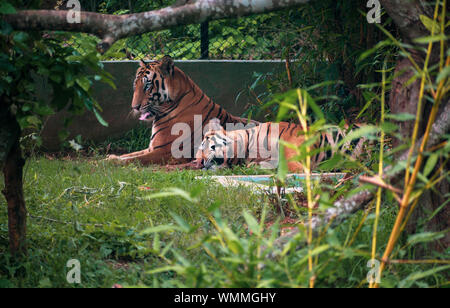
point(303, 120)
point(380, 171)
point(410, 182)
point(419, 106)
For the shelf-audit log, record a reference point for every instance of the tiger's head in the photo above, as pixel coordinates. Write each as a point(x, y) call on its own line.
point(214, 145)
point(153, 94)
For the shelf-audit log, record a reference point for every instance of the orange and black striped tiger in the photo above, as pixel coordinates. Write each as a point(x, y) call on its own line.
point(259, 145)
point(166, 96)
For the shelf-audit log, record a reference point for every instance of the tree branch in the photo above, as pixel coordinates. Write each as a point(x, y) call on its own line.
point(111, 28)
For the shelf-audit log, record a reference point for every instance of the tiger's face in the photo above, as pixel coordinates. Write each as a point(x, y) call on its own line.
point(213, 148)
point(151, 96)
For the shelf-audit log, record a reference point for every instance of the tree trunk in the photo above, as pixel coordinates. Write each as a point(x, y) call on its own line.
point(13, 191)
point(404, 99)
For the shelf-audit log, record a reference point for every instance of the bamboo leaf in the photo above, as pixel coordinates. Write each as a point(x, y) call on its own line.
point(420, 275)
point(425, 237)
point(282, 164)
point(315, 252)
point(252, 223)
point(181, 222)
point(401, 116)
point(431, 162)
point(430, 24)
point(161, 228)
point(431, 39)
point(364, 131)
point(443, 74)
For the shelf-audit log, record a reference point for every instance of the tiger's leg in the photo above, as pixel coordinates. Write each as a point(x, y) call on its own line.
point(193, 165)
point(133, 154)
point(145, 157)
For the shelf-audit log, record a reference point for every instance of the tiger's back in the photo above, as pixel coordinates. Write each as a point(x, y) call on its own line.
point(251, 146)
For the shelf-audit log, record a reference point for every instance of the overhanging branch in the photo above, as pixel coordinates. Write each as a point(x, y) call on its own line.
point(111, 28)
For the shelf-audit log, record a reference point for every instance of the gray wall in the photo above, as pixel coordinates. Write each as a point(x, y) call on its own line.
point(220, 80)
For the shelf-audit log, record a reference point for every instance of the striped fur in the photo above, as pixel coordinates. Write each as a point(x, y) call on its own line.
point(257, 145)
point(165, 95)
point(227, 148)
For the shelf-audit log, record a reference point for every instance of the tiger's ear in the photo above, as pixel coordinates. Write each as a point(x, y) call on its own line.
point(214, 125)
point(142, 64)
point(167, 66)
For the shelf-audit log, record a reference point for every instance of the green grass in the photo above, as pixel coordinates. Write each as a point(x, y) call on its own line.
point(95, 212)
point(80, 194)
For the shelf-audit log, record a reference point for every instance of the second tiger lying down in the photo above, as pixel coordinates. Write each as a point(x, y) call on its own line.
point(259, 145)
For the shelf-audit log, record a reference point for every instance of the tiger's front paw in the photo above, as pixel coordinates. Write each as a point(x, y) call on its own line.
point(113, 158)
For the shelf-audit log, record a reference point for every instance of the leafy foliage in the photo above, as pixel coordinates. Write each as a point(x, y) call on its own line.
point(110, 218)
point(31, 61)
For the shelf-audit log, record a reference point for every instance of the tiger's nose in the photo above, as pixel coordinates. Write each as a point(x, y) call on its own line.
point(136, 107)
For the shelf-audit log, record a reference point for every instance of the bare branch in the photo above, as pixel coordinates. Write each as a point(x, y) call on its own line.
point(111, 28)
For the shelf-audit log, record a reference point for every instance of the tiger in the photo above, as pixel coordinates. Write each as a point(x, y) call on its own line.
point(257, 145)
point(165, 95)
point(224, 148)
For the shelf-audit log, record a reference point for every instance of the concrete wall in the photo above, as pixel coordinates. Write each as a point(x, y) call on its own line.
point(220, 80)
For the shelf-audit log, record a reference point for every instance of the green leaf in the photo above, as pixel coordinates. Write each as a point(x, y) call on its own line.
point(282, 164)
point(369, 52)
point(156, 243)
point(161, 228)
point(312, 104)
point(401, 116)
point(431, 39)
point(443, 74)
point(389, 127)
point(364, 131)
point(430, 24)
point(369, 97)
point(425, 237)
point(172, 192)
point(176, 268)
point(431, 163)
point(252, 223)
point(43, 110)
point(34, 121)
point(181, 222)
point(99, 118)
point(332, 163)
point(84, 83)
point(420, 275)
point(6, 8)
point(316, 251)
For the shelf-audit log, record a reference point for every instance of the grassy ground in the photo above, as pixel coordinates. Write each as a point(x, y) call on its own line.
point(66, 199)
point(94, 211)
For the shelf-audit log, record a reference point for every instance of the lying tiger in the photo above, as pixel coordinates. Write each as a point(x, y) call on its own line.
point(165, 95)
point(259, 145)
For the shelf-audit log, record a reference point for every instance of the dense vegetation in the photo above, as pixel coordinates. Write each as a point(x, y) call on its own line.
point(127, 227)
point(96, 212)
